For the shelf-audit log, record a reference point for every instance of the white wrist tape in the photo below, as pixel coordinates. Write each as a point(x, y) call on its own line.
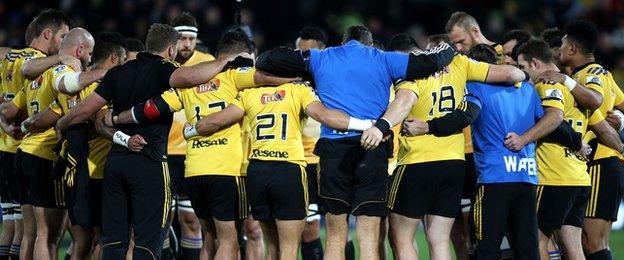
point(121, 138)
point(620, 115)
point(23, 128)
point(569, 83)
point(190, 131)
point(359, 124)
point(71, 80)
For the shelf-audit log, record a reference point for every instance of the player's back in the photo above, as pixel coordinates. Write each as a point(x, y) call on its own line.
point(275, 116)
point(504, 109)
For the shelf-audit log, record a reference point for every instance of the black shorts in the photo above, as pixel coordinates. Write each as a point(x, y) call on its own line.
point(8, 183)
point(427, 188)
point(38, 185)
point(607, 176)
point(89, 214)
point(277, 190)
point(560, 205)
point(315, 209)
point(176, 172)
point(351, 179)
point(470, 177)
point(218, 196)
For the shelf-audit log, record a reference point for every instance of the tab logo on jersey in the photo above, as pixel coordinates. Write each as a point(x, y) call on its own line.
point(58, 69)
point(553, 94)
point(9, 76)
point(275, 97)
point(36, 83)
point(207, 143)
point(268, 153)
point(594, 79)
point(513, 164)
point(210, 86)
point(71, 103)
point(243, 69)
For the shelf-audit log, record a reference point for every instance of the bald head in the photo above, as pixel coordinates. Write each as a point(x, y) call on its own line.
point(78, 42)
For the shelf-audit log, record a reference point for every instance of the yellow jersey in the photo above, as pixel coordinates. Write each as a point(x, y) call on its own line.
point(176, 145)
point(224, 148)
point(11, 82)
point(275, 116)
point(439, 95)
point(98, 145)
point(35, 97)
point(246, 138)
point(594, 76)
point(558, 165)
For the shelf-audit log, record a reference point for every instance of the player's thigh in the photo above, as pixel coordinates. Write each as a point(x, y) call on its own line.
point(447, 200)
point(370, 184)
point(607, 176)
point(553, 205)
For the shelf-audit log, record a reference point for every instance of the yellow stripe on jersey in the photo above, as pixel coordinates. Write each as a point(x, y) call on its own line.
point(176, 145)
point(224, 148)
point(274, 114)
point(11, 82)
point(39, 94)
point(439, 95)
point(558, 165)
point(596, 77)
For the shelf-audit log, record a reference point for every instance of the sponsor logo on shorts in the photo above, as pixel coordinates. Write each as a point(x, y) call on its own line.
point(269, 153)
point(208, 143)
point(273, 97)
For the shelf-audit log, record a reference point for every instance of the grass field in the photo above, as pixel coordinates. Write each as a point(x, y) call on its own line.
point(617, 245)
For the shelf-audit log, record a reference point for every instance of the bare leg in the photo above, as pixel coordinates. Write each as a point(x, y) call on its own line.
point(289, 234)
point(595, 235)
point(269, 230)
point(438, 236)
point(337, 232)
point(82, 242)
point(50, 223)
point(367, 229)
point(255, 245)
point(228, 239)
point(30, 232)
point(402, 230)
point(570, 239)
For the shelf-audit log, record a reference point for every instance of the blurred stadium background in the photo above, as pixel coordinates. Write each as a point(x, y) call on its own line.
point(276, 22)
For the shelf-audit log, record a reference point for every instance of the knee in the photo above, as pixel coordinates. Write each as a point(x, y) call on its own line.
point(254, 234)
point(593, 245)
point(310, 231)
point(438, 239)
point(189, 225)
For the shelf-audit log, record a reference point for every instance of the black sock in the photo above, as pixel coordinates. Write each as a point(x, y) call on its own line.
point(312, 250)
point(67, 257)
point(603, 254)
point(350, 251)
point(14, 252)
point(190, 253)
point(167, 254)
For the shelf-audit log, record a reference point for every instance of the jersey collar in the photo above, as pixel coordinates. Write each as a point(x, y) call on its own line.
point(579, 68)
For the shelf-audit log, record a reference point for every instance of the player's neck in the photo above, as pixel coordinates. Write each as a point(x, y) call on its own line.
point(482, 40)
point(551, 66)
point(582, 60)
point(39, 44)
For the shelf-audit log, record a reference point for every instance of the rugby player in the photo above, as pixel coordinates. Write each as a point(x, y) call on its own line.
point(133, 47)
point(510, 40)
point(464, 31)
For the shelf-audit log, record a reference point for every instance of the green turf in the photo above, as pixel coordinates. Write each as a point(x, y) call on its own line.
point(616, 242)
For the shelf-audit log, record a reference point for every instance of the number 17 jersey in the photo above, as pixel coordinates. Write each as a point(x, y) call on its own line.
point(439, 95)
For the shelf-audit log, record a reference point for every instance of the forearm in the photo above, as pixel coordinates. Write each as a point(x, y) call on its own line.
point(586, 98)
point(608, 136)
point(33, 68)
point(208, 127)
point(423, 64)
point(72, 118)
point(565, 135)
point(456, 121)
point(100, 126)
point(40, 122)
point(88, 77)
point(549, 122)
point(185, 77)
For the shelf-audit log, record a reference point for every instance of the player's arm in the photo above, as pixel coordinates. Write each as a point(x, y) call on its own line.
point(587, 98)
point(284, 62)
point(422, 64)
point(4, 51)
point(549, 122)
point(8, 111)
point(83, 111)
point(336, 119)
point(184, 77)
point(34, 67)
point(148, 111)
point(566, 136)
point(397, 111)
point(71, 83)
point(134, 143)
point(214, 122)
point(40, 122)
point(449, 124)
point(504, 74)
point(607, 135)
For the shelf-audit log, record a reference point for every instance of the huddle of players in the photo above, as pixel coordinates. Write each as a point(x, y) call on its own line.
point(277, 138)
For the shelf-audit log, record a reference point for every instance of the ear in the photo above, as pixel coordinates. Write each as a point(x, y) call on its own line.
point(47, 34)
point(534, 63)
point(114, 58)
point(573, 49)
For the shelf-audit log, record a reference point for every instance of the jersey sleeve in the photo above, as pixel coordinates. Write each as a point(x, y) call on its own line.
point(243, 77)
point(306, 96)
point(409, 85)
point(106, 87)
point(619, 95)
point(165, 71)
point(20, 100)
point(551, 95)
point(58, 73)
point(396, 64)
point(172, 99)
point(56, 107)
point(592, 81)
point(238, 101)
point(595, 118)
point(475, 70)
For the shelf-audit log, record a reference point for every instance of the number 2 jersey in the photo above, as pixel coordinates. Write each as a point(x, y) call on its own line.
point(439, 95)
point(222, 152)
point(36, 97)
point(558, 165)
point(275, 115)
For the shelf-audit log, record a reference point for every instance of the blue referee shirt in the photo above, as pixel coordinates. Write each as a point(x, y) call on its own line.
point(355, 79)
point(504, 110)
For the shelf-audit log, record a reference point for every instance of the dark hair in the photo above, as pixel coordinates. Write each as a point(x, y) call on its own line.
point(461, 19)
point(518, 34)
point(234, 42)
point(359, 33)
point(133, 44)
point(160, 36)
point(553, 36)
point(313, 33)
point(483, 53)
point(107, 44)
point(438, 38)
point(583, 33)
point(49, 18)
point(538, 49)
point(184, 19)
point(402, 42)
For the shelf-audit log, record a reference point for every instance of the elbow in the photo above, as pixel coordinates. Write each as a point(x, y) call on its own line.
point(27, 72)
point(594, 103)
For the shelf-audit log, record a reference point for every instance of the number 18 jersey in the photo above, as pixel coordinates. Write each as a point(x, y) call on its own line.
point(438, 95)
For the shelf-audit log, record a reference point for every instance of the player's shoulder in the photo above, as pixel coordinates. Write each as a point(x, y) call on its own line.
point(203, 56)
point(591, 69)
